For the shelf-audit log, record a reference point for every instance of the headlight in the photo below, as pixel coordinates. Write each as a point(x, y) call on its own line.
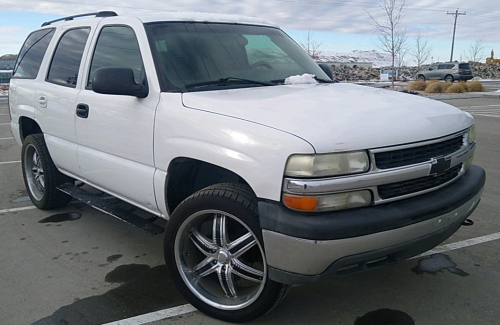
point(472, 134)
point(327, 164)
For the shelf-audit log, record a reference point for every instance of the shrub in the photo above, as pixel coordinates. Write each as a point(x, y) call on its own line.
point(457, 88)
point(434, 88)
point(445, 86)
point(429, 82)
point(474, 86)
point(417, 85)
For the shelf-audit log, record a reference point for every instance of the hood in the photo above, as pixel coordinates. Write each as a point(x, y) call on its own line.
point(336, 117)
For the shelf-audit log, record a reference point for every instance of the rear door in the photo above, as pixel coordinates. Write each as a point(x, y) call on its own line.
point(56, 95)
point(115, 140)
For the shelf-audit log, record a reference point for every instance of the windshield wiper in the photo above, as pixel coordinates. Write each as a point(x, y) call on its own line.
point(228, 81)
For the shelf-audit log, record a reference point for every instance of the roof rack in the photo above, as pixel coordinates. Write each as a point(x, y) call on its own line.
point(100, 14)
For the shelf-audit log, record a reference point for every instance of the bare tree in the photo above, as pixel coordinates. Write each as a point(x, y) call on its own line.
point(422, 50)
point(311, 45)
point(400, 57)
point(475, 50)
point(392, 38)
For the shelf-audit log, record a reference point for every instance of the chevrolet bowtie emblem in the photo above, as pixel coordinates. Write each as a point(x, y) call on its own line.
point(440, 166)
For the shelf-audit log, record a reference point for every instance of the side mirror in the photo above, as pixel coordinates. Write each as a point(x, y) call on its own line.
point(117, 81)
point(326, 68)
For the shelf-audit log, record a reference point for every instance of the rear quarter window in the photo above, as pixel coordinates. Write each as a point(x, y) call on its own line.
point(31, 55)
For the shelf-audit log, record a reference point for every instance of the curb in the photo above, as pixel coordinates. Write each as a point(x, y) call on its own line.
point(464, 96)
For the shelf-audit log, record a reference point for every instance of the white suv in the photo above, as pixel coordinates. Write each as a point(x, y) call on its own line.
point(268, 173)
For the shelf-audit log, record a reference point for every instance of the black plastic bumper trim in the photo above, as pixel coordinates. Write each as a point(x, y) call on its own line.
point(373, 219)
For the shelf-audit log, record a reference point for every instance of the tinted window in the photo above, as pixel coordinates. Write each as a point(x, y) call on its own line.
point(117, 47)
point(450, 66)
point(442, 66)
point(464, 66)
point(31, 55)
point(67, 57)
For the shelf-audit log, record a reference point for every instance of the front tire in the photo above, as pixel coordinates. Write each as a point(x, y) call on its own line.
point(215, 255)
point(41, 176)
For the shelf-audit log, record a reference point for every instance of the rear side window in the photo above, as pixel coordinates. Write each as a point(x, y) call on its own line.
point(117, 46)
point(31, 55)
point(67, 57)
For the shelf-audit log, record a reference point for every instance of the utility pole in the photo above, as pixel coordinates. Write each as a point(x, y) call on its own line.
point(455, 14)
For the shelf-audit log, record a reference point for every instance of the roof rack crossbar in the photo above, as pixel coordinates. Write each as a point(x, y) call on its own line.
point(100, 14)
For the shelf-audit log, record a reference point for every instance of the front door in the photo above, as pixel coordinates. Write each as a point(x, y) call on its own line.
point(115, 137)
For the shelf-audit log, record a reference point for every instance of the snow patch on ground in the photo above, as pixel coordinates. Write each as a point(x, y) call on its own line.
point(306, 78)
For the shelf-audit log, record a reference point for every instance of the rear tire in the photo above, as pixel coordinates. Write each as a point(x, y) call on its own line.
point(449, 78)
point(215, 254)
point(41, 176)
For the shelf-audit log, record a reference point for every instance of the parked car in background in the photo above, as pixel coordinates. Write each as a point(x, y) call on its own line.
point(447, 71)
point(5, 76)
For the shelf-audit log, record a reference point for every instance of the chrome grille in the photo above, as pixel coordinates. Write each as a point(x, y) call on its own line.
point(418, 154)
point(388, 191)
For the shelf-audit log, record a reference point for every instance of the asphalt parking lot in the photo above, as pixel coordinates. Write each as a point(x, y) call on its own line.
point(75, 265)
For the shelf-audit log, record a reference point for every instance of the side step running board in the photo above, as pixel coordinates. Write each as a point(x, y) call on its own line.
point(111, 209)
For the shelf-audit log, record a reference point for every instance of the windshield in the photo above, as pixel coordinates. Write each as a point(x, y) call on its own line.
point(197, 54)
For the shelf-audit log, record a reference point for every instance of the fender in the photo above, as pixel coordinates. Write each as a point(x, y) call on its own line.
point(254, 152)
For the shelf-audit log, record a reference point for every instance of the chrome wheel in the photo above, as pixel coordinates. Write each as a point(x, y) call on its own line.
point(34, 172)
point(220, 260)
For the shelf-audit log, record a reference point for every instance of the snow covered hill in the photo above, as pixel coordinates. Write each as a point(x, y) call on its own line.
point(377, 58)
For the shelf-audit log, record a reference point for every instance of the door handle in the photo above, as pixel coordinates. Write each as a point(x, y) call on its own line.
point(82, 110)
point(42, 101)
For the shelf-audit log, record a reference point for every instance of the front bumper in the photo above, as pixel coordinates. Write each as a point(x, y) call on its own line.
point(304, 247)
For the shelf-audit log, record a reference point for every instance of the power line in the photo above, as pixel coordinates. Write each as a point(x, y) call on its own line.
point(455, 14)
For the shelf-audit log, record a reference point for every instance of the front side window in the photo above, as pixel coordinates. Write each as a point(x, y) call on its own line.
point(117, 46)
point(67, 57)
point(191, 54)
point(31, 55)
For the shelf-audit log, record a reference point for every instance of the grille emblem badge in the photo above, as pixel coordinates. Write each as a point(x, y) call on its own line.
point(440, 167)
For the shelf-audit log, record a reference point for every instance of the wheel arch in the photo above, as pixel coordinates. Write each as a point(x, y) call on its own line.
point(28, 126)
point(186, 176)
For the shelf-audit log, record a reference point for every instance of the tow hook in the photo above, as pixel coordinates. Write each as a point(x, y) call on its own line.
point(467, 223)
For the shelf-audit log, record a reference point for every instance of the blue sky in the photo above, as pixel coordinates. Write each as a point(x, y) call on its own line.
point(340, 25)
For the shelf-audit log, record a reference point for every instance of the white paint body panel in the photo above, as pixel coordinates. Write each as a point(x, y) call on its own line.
point(116, 140)
point(337, 117)
point(255, 152)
